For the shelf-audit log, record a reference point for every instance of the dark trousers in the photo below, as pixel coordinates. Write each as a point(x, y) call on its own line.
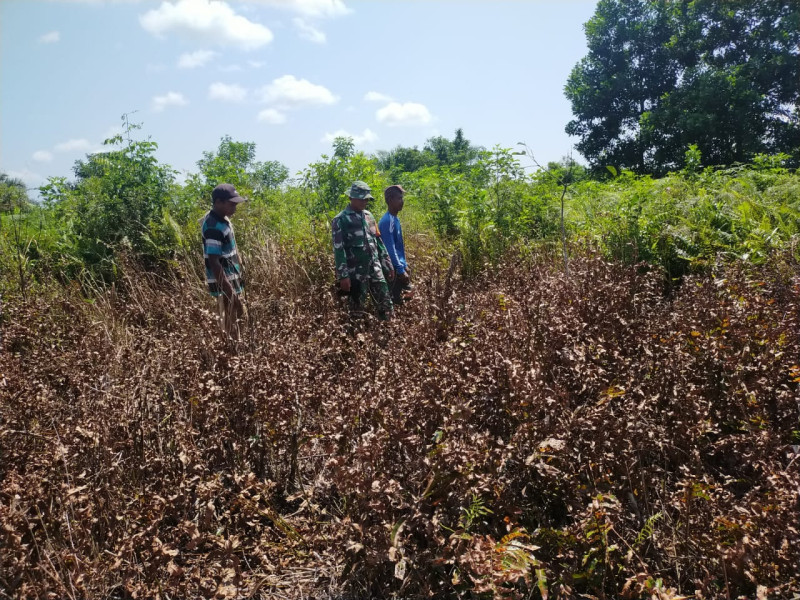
point(375, 289)
point(397, 288)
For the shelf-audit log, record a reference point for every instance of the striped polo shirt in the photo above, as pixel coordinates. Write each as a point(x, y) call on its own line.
point(218, 240)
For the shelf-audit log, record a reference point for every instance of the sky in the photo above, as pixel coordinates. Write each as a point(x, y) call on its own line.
point(289, 75)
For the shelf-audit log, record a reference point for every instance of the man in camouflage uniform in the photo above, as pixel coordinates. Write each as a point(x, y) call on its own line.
point(362, 263)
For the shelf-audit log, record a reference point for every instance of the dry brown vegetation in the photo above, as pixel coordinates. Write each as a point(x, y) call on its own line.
point(522, 434)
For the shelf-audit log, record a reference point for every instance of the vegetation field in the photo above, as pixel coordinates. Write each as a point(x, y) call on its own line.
point(594, 392)
point(608, 407)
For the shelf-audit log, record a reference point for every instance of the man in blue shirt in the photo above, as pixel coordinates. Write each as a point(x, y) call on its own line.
point(392, 235)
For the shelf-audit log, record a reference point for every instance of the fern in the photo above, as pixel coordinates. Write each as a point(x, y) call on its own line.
point(477, 508)
point(647, 530)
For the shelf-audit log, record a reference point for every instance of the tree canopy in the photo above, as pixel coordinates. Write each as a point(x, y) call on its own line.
point(119, 198)
point(437, 151)
point(235, 162)
point(662, 75)
point(13, 193)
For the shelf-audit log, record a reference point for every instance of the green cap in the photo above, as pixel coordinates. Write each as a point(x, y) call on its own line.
point(360, 190)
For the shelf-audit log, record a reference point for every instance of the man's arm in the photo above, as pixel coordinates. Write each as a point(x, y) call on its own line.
point(339, 255)
point(383, 255)
point(223, 284)
point(404, 274)
point(387, 236)
point(213, 240)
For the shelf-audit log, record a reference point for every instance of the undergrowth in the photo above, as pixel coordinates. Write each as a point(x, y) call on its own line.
point(518, 434)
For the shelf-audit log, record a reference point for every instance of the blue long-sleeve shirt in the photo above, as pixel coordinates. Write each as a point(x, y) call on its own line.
point(392, 235)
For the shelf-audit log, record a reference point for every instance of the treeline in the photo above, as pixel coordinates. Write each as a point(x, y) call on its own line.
point(461, 198)
point(702, 95)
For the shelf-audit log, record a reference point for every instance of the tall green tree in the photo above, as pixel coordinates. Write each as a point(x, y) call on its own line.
point(120, 198)
point(401, 160)
point(235, 162)
point(629, 68)
point(330, 177)
point(456, 152)
point(13, 193)
point(661, 75)
point(438, 151)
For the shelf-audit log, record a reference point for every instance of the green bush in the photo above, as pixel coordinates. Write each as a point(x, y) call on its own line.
point(479, 202)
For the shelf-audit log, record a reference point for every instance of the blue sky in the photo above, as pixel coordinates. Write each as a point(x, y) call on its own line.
point(285, 74)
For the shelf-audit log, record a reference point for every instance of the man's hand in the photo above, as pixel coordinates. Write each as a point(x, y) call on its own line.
point(344, 284)
point(227, 290)
point(236, 302)
point(390, 275)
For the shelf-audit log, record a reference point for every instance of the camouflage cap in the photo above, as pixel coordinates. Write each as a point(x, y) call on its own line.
point(360, 190)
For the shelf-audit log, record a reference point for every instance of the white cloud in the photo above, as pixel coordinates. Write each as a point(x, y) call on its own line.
point(230, 68)
point(168, 99)
point(226, 93)
point(73, 145)
point(366, 137)
point(310, 8)
point(50, 38)
point(377, 97)
point(308, 31)
point(395, 114)
point(42, 156)
point(256, 64)
point(290, 92)
point(104, 150)
point(272, 116)
point(210, 21)
point(191, 60)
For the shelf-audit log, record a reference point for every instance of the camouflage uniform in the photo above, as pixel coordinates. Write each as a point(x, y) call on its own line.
point(360, 255)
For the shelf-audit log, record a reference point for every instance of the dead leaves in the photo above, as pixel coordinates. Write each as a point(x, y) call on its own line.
point(566, 437)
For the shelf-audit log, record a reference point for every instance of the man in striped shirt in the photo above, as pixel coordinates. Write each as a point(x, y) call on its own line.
point(223, 268)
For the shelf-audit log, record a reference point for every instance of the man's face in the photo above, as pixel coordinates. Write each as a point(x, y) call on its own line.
point(358, 204)
point(225, 207)
point(395, 203)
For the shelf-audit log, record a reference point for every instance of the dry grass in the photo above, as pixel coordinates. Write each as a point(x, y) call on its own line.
point(520, 434)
